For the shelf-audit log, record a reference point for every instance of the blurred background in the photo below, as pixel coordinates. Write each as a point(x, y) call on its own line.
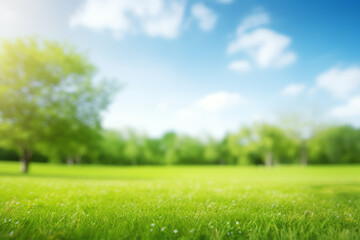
point(165, 82)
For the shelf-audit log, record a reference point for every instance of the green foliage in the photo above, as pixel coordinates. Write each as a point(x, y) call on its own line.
point(212, 152)
point(10, 155)
point(48, 99)
point(335, 145)
point(250, 145)
point(261, 144)
point(111, 148)
point(170, 147)
point(190, 150)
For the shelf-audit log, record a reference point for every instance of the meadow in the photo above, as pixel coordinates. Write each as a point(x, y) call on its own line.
point(179, 202)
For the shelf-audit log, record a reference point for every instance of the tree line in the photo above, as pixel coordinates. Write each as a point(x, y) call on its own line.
point(259, 144)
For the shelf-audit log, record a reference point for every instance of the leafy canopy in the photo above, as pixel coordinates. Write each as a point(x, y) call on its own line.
point(48, 97)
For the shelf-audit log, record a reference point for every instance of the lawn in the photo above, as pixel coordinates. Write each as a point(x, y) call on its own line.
point(98, 202)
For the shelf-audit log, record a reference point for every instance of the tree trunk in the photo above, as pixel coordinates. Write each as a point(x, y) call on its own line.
point(25, 160)
point(134, 161)
point(268, 159)
point(304, 158)
point(78, 159)
point(70, 161)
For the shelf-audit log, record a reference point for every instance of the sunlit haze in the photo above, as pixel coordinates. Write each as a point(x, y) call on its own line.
point(208, 67)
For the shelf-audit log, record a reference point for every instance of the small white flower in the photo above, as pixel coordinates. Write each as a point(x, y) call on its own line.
point(228, 223)
point(237, 223)
point(175, 231)
point(212, 226)
point(192, 230)
point(163, 228)
point(153, 224)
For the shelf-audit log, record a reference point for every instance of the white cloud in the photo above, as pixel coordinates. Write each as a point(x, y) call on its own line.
point(352, 108)
point(212, 103)
point(340, 82)
point(220, 100)
point(162, 106)
point(253, 21)
point(214, 113)
point(158, 18)
point(264, 47)
point(205, 16)
point(186, 113)
point(8, 14)
point(293, 90)
point(240, 66)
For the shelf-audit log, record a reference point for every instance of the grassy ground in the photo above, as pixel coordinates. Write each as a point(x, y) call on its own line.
point(92, 202)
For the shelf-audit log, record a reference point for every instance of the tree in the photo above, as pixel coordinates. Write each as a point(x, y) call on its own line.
point(133, 146)
point(300, 129)
point(49, 100)
point(275, 145)
point(111, 148)
point(170, 145)
point(212, 152)
point(337, 144)
point(261, 143)
point(190, 150)
point(152, 151)
point(238, 146)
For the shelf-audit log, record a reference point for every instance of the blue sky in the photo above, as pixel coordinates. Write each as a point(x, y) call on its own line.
point(209, 66)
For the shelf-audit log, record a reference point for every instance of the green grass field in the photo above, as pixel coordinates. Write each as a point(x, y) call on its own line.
point(97, 202)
